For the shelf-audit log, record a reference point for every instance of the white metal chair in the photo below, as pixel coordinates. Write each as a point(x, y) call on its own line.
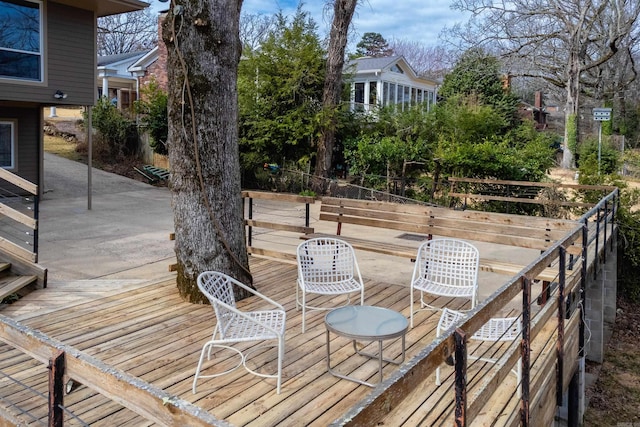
point(497, 329)
point(234, 325)
point(445, 267)
point(326, 266)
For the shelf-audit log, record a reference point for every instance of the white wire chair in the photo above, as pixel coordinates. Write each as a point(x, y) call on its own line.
point(497, 329)
point(234, 325)
point(326, 266)
point(445, 267)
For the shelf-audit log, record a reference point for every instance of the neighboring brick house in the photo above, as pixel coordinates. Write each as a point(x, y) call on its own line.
point(116, 81)
point(124, 75)
point(152, 66)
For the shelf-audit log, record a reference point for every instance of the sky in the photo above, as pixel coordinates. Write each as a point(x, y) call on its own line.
point(411, 20)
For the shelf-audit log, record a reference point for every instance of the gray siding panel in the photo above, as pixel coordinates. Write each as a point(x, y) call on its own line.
point(71, 57)
point(28, 140)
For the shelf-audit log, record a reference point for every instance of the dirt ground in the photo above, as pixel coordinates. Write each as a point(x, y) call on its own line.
point(614, 399)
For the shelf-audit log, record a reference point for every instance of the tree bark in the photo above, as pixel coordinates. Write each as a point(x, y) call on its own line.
point(571, 109)
point(203, 47)
point(342, 13)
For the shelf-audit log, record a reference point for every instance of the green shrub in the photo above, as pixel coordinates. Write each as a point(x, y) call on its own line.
point(118, 135)
point(154, 115)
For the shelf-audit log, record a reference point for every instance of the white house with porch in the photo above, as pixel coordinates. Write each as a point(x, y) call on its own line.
point(379, 82)
point(117, 80)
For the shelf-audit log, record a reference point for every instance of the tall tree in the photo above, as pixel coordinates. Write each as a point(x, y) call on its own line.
point(342, 14)
point(478, 74)
point(127, 32)
point(204, 48)
point(280, 91)
point(374, 45)
point(560, 40)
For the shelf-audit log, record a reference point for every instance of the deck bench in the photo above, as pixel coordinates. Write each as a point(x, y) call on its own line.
point(526, 232)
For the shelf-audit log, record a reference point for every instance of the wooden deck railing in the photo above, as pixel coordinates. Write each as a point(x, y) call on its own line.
point(557, 194)
point(248, 198)
point(65, 361)
point(551, 344)
point(28, 217)
point(550, 373)
point(533, 386)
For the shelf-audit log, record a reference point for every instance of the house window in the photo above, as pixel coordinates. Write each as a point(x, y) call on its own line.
point(407, 97)
point(396, 69)
point(385, 94)
point(7, 143)
point(359, 96)
point(392, 93)
point(21, 39)
point(373, 93)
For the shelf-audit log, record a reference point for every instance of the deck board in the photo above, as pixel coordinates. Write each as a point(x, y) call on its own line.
point(146, 330)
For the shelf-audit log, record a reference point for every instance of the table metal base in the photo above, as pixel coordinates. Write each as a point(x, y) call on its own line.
point(378, 356)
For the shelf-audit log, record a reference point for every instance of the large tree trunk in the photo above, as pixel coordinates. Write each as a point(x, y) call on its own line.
point(203, 47)
point(572, 126)
point(342, 13)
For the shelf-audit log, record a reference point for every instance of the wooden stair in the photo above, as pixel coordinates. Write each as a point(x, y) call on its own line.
point(12, 283)
point(19, 277)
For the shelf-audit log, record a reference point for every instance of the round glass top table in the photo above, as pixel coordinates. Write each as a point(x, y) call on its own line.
point(366, 323)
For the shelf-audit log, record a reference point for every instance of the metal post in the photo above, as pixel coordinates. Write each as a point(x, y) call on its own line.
point(460, 337)
point(525, 352)
point(89, 154)
point(250, 217)
point(599, 145)
point(56, 390)
point(561, 316)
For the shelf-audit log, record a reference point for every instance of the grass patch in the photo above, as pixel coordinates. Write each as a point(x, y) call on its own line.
point(63, 148)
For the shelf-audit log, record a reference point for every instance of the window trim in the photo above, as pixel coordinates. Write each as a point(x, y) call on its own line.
point(40, 54)
point(14, 137)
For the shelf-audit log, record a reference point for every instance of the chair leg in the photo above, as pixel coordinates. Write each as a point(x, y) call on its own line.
point(411, 306)
point(205, 348)
point(304, 310)
point(280, 358)
point(438, 376)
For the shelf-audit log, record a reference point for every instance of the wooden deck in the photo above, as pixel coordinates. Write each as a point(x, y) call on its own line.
point(146, 330)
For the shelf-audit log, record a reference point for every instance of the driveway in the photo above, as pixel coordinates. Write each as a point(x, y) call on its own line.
point(124, 235)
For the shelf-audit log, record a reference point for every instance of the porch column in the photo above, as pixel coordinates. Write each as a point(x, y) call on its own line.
point(366, 95)
point(105, 86)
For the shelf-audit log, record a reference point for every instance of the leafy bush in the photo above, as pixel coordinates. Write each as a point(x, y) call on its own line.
point(588, 154)
point(118, 134)
point(154, 115)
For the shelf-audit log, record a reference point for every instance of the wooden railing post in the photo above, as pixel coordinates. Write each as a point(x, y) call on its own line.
point(56, 390)
point(460, 337)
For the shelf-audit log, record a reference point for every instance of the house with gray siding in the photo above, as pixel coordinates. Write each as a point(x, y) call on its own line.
point(48, 57)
